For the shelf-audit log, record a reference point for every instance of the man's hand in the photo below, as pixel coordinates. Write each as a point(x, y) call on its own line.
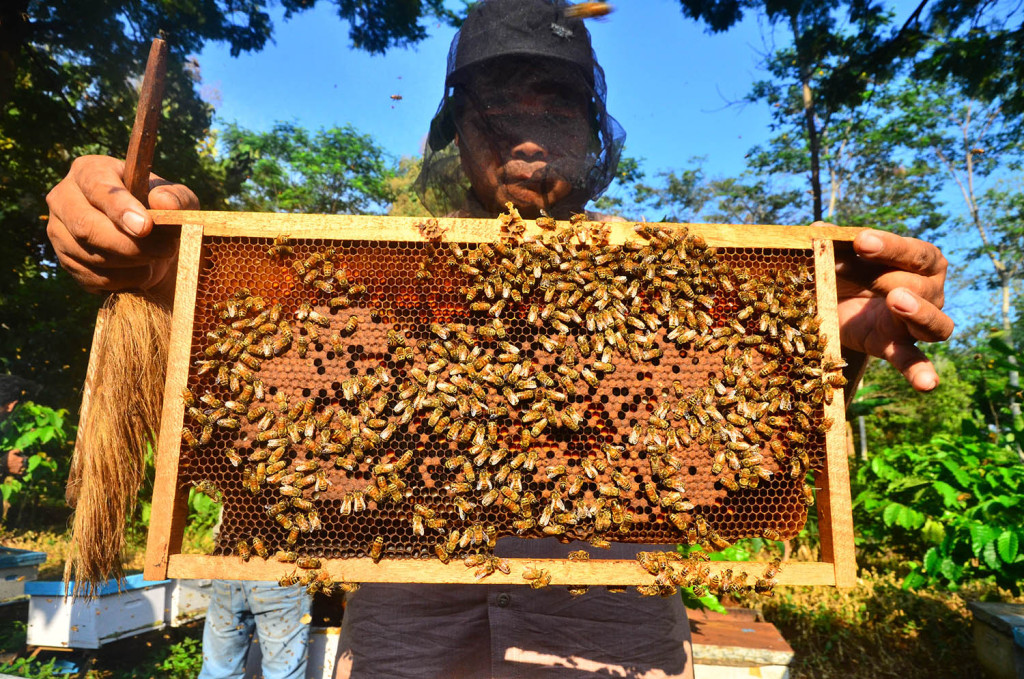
point(891, 295)
point(15, 462)
point(103, 235)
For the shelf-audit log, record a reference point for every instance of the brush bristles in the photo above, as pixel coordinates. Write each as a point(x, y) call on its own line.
point(124, 415)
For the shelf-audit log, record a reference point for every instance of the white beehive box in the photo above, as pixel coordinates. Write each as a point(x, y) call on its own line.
point(187, 600)
point(17, 566)
point(57, 621)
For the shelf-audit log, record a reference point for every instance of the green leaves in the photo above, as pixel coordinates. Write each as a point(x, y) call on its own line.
point(290, 169)
point(1007, 545)
point(42, 435)
point(903, 516)
point(952, 503)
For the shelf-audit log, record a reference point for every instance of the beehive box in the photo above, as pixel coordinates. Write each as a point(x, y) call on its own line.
point(364, 389)
point(119, 610)
point(17, 566)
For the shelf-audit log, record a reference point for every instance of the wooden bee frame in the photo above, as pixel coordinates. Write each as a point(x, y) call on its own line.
point(164, 557)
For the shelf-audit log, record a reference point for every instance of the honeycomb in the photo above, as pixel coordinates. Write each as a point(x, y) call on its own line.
point(419, 400)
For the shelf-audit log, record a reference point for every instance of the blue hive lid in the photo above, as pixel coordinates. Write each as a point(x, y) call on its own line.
point(56, 587)
point(11, 558)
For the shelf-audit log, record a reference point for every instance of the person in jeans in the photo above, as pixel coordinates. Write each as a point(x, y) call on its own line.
point(278, 616)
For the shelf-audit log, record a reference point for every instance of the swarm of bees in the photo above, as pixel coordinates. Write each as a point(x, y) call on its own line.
point(495, 401)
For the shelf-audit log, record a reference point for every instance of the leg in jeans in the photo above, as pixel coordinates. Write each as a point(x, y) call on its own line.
point(227, 633)
point(283, 634)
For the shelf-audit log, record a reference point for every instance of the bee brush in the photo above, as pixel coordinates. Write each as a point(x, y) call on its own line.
point(122, 398)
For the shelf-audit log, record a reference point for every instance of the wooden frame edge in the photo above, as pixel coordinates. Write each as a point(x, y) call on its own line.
point(167, 517)
point(374, 227)
point(834, 499)
point(163, 559)
point(563, 572)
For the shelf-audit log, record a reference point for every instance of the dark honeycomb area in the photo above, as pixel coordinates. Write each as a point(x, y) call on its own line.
point(439, 395)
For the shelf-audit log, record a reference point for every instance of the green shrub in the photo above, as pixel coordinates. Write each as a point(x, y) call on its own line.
point(43, 435)
point(25, 667)
point(951, 507)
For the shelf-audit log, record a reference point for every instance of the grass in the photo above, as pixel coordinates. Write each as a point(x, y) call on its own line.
point(877, 629)
point(168, 654)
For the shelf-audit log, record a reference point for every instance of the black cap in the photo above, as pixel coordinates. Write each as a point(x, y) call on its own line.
point(519, 28)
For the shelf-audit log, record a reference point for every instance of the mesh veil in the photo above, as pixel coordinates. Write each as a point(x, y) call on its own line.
point(523, 115)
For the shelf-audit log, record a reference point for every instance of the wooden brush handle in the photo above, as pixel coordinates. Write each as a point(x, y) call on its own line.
point(142, 144)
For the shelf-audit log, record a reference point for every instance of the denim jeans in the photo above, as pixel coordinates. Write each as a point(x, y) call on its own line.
point(238, 607)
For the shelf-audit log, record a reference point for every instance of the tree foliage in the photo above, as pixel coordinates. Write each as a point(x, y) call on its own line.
point(406, 201)
point(836, 51)
point(979, 46)
point(289, 169)
point(911, 417)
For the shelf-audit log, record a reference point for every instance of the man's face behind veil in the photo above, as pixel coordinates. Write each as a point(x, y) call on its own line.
point(524, 139)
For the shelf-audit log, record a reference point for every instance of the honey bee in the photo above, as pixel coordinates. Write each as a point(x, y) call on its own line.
point(260, 548)
point(395, 339)
point(289, 580)
point(242, 550)
point(189, 438)
point(286, 556)
point(377, 549)
point(808, 495)
point(537, 577)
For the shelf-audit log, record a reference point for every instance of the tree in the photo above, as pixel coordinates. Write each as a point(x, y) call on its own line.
point(837, 50)
point(877, 160)
point(289, 169)
point(911, 417)
point(971, 141)
point(979, 46)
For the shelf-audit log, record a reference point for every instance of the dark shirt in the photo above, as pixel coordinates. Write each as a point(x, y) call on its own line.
point(510, 631)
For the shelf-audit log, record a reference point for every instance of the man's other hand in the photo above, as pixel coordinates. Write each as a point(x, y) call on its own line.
point(103, 235)
point(890, 296)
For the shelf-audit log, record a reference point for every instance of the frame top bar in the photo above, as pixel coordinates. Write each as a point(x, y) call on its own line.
point(375, 227)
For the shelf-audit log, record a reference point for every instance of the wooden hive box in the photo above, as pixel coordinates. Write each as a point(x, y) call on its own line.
point(589, 382)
